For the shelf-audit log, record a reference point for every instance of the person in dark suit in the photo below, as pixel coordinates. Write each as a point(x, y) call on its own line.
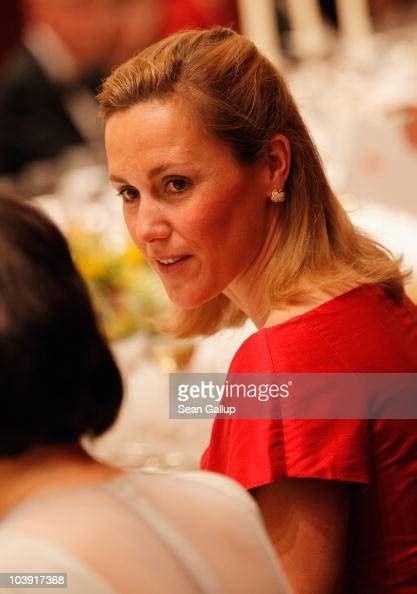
point(45, 103)
point(10, 27)
point(35, 124)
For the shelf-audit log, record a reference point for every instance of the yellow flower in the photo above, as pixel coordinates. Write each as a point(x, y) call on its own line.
point(132, 255)
point(125, 291)
point(91, 267)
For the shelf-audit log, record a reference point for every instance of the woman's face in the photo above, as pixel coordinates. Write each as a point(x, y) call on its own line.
point(198, 216)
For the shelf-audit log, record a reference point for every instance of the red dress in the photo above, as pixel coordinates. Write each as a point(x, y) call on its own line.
point(362, 331)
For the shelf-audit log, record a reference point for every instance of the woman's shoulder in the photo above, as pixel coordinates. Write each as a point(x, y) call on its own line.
point(136, 512)
point(61, 511)
point(201, 486)
point(337, 336)
point(287, 333)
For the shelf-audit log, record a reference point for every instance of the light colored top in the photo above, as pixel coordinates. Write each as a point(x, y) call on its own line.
point(183, 533)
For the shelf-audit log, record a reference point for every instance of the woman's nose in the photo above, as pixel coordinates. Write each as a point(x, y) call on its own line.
point(151, 223)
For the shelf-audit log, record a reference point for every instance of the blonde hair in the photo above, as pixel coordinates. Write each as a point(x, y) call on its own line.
point(240, 97)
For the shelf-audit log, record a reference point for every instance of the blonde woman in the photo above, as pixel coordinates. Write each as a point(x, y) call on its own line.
point(224, 193)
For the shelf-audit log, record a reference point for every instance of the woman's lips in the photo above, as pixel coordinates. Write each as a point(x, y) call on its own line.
point(171, 264)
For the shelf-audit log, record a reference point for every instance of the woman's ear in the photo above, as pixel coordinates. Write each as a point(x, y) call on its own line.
point(278, 154)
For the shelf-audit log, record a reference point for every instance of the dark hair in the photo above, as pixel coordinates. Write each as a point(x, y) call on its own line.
point(58, 379)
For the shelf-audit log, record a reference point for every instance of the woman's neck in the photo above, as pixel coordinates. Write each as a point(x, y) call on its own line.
point(47, 469)
point(279, 316)
point(247, 291)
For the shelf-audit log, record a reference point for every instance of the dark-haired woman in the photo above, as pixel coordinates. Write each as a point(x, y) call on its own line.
point(62, 512)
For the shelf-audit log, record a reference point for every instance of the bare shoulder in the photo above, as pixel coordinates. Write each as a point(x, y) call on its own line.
point(217, 486)
point(209, 513)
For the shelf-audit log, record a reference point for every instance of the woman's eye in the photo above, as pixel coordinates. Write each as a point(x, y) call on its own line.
point(129, 194)
point(177, 184)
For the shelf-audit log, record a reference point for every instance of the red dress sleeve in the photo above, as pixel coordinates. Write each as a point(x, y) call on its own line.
point(347, 334)
point(256, 452)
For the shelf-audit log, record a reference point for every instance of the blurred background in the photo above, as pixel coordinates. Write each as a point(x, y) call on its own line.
point(352, 66)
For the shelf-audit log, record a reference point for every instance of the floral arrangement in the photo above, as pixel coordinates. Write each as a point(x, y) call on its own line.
point(125, 291)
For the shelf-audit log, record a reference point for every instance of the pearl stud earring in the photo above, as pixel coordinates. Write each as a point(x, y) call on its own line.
point(278, 195)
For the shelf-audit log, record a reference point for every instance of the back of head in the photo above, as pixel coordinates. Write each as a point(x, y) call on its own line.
point(58, 380)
